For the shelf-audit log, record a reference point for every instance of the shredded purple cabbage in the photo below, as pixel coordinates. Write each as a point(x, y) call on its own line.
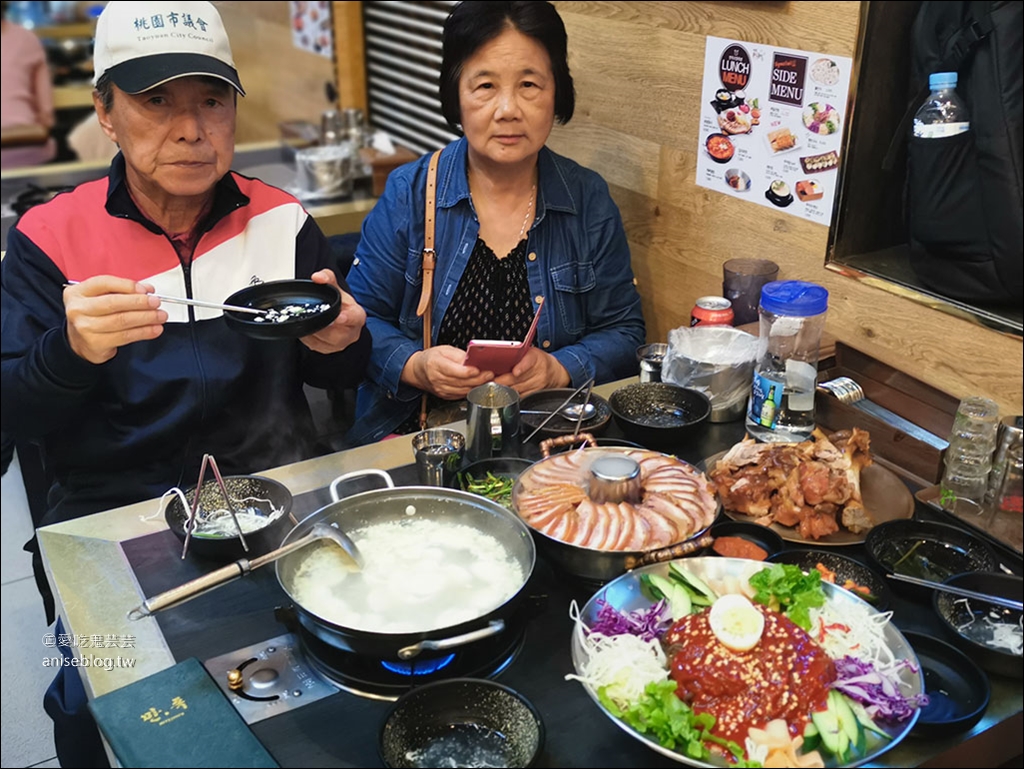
point(878, 690)
point(648, 624)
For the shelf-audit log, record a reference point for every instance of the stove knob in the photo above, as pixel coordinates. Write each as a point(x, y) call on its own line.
point(235, 682)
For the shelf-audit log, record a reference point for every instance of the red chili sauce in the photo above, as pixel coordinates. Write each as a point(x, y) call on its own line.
point(785, 676)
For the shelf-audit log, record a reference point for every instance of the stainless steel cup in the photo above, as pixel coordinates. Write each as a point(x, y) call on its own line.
point(438, 453)
point(651, 356)
point(492, 422)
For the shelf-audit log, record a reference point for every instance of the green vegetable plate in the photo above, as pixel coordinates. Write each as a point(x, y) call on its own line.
point(854, 724)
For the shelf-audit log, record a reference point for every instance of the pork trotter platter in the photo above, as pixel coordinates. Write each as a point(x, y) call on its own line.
point(823, 491)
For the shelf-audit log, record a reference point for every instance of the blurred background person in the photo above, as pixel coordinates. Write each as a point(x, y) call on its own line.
point(26, 98)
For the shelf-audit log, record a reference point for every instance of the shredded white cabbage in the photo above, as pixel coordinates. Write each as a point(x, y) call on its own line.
point(218, 523)
point(991, 631)
point(624, 664)
point(853, 629)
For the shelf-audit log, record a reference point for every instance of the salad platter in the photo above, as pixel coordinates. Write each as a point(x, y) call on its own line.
point(869, 687)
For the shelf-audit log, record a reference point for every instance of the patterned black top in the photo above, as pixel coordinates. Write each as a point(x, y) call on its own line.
point(492, 300)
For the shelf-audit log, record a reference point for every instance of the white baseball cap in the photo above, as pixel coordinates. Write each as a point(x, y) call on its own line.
point(143, 45)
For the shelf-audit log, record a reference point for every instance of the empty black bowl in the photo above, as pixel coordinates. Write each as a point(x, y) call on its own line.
point(659, 415)
point(261, 496)
point(970, 623)
point(279, 294)
point(926, 550)
point(762, 536)
point(958, 690)
point(461, 722)
point(845, 568)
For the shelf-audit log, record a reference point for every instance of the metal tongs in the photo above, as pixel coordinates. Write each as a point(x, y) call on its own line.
point(190, 523)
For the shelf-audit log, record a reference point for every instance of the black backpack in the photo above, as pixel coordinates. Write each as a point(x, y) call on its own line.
point(964, 200)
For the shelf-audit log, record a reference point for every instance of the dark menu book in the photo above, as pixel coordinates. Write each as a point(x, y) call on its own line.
point(178, 717)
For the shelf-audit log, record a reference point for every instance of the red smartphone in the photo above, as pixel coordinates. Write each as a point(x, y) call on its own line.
point(497, 355)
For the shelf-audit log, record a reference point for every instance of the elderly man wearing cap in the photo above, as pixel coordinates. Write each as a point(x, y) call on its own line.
point(126, 395)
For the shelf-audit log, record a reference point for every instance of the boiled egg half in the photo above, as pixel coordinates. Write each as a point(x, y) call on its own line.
point(736, 622)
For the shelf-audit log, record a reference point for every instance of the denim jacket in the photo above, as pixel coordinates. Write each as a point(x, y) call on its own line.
point(577, 259)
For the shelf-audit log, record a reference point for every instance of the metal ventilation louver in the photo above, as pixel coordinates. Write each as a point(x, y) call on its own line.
point(403, 58)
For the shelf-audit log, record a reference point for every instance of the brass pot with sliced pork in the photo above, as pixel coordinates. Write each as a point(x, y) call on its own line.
point(598, 512)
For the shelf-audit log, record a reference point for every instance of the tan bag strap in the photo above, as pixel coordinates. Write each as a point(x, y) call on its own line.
point(423, 310)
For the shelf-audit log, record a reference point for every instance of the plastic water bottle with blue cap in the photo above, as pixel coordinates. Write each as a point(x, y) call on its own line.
point(792, 317)
point(943, 112)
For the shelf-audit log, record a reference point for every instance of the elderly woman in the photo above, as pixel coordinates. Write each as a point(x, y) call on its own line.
point(517, 226)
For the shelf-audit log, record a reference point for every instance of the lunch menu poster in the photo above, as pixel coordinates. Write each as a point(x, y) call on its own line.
point(771, 125)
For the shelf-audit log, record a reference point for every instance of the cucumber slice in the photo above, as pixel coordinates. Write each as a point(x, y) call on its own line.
point(838, 702)
point(811, 738)
point(865, 720)
point(829, 730)
point(679, 603)
point(690, 580)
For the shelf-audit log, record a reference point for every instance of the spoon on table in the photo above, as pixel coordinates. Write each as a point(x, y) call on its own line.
point(572, 411)
point(178, 595)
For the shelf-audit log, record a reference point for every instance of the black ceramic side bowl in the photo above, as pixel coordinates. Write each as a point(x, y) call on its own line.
point(660, 415)
point(503, 467)
point(549, 400)
point(277, 294)
point(845, 568)
point(254, 492)
point(970, 622)
point(461, 722)
point(927, 550)
point(759, 535)
point(958, 690)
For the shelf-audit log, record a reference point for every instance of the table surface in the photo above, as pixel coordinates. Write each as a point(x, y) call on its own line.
point(95, 586)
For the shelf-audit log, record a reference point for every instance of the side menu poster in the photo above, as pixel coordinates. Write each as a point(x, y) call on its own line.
point(771, 125)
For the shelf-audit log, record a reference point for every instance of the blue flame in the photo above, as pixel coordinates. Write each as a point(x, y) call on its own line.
point(418, 667)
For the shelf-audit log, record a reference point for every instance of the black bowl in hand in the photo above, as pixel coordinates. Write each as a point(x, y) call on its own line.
point(660, 416)
point(296, 308)
point(254, 497)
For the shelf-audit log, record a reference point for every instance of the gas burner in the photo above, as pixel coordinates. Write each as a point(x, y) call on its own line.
point(388, 679)
point(268, 678)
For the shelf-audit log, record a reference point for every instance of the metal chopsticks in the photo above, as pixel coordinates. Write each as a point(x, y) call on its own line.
point(198, 303)
point(588, 384)
point(998, 600)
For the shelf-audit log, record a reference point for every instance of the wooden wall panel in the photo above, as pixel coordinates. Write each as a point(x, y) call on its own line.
point(638, 68)
point(281, 82)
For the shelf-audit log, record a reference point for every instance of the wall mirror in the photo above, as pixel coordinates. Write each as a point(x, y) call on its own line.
point(867, 240)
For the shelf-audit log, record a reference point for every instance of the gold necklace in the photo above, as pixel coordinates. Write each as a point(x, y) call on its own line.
point(529, 208)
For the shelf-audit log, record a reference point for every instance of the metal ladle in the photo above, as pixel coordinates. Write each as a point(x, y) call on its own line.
point(571, 412)
point(179, 595)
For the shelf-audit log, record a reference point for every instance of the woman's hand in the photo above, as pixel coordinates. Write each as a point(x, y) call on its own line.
point(345, 329)
point(537, 370)
point(105, 312)
point(439, 370)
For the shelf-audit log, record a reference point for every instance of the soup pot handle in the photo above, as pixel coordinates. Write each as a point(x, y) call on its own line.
point(565, 440)
point(335, 497)
point(493, 628)
point(670, 553)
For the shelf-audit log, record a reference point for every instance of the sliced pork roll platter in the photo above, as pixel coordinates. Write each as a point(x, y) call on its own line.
point(674, 502)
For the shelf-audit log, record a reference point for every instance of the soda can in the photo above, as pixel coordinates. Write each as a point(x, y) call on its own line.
point(711, 311)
